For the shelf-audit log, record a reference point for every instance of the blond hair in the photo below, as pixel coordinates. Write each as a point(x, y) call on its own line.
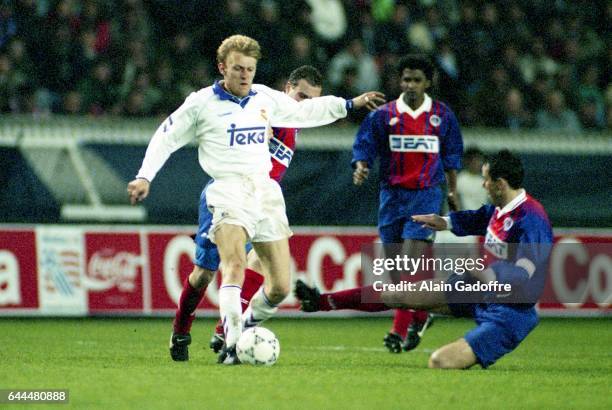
point(242, 44)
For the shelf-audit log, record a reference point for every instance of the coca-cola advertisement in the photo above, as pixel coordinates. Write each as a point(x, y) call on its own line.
point(113, 272)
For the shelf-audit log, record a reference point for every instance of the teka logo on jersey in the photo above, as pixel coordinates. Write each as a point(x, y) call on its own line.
point(414, 143)
point(106, 270)
point(246, 136)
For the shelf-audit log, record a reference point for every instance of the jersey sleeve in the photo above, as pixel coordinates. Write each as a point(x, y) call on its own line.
point(526, 273)
point(471, 222)
point(176, 131)
point(452, 149)
point(312, 112)
point(369, 135)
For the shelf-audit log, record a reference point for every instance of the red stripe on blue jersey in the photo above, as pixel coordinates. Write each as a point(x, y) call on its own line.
point(282, 157)
point(430, 160)
point(415, 170)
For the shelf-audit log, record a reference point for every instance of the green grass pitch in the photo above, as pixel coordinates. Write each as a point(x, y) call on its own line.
point(324, 364)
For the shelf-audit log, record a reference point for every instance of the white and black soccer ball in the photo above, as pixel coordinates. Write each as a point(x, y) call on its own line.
point(258, 346)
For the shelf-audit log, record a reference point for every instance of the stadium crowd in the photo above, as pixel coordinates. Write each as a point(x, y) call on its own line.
point(517, 64)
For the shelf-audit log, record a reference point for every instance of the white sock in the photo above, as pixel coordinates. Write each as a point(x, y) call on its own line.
point(230, 310)
point(260, 309)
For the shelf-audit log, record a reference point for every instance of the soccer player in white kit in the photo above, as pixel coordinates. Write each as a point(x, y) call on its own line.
point(230, 120)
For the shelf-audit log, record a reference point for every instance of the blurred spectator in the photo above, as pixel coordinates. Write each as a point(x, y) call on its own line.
point(391, 35)
point(463, 36)
point(420, 37)
point(8, 88)
point(435, 25)
point(390, 79)
point(137, 62)
point(164, 80)
point(268, 31)
point(448, 80)
point(349, 87)
point(537, 61)
point(591, 99)
point(329, 23)
point(135, 105)
point(55, 44)
point(517, 116)
point(22, 74)
point(354, 55)
point(489, 101)
point(567, 84)
point(472, 194)
point(8, 25)
point(367, 32)
point(538, 92)
point(236, 18)
point(99, 93)
point(517, 30)
point(182, 54)
point(73, 103)
point(300, 53)
point(557, 118)
point(590, 116)
point(199, 77)
point(512, 64)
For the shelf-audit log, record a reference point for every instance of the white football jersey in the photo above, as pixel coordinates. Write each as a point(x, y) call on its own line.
point(232, 132)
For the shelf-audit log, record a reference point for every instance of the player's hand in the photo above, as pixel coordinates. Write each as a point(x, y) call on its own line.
point(453, 201)
point(361, 172)
point(431, 221)
point(138, 190)
point(371, 100)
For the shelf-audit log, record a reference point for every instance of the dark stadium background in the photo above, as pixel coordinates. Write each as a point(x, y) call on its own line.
point(501, 65)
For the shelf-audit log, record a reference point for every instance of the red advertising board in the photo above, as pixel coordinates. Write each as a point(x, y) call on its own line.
point(141, 270)
point(18, 281)
point(580, 275)
point(170, 262)
point(113, 272)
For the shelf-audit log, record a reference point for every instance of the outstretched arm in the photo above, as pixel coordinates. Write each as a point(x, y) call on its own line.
point(315, 112)
point(176, 131)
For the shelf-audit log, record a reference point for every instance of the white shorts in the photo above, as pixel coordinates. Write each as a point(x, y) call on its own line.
point(256, 204)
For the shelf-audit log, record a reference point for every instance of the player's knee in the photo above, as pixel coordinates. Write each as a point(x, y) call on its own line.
point(442, 360)
point(392, 299)
point(436, 360)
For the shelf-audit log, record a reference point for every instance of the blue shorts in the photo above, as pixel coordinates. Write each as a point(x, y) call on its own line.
point(207, 254)
point(501, 327)
point(398, 205)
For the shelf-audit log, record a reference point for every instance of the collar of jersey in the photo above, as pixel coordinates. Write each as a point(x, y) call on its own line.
point(512, 205)
point(402, 107)
point(225, 96)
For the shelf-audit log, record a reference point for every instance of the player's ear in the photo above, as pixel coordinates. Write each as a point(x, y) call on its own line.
point(221, 67)
point(287, 87)
point(502, 183)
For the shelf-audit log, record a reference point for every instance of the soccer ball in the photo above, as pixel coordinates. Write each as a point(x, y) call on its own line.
point(259, 346)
